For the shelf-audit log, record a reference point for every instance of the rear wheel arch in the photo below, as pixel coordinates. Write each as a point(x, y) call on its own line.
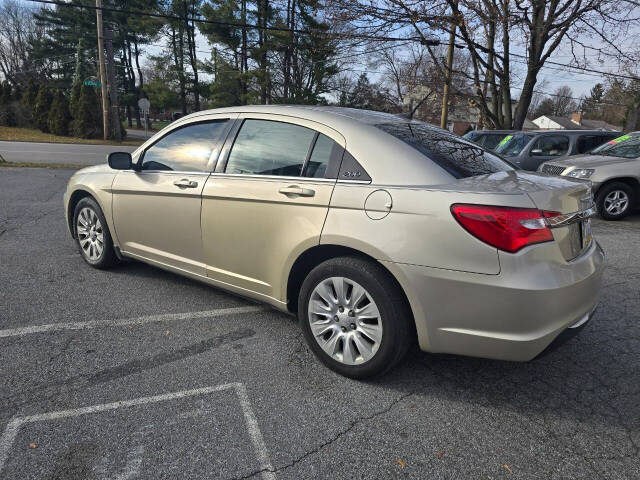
point(314, 256)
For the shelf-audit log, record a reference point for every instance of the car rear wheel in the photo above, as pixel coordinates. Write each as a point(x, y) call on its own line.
point(615, 201)
point(354, 317)
point(92, 234)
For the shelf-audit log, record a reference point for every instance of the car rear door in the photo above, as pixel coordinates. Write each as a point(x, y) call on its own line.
point(267, 200)
point(156, 210)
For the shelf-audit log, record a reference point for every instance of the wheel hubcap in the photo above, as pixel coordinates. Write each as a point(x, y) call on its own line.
point(90, 234)
point(345, 320)
point(616, 202)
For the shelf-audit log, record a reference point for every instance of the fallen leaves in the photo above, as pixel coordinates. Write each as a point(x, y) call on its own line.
point(507, 468)
point(401, 462)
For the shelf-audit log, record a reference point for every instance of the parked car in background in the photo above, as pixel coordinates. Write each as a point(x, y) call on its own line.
point(488, 139)
point(376, 231)
point(529, 149)
point(614, 172)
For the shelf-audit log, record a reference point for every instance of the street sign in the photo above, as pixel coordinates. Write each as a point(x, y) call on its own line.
point(144, 105)
point(92, 83)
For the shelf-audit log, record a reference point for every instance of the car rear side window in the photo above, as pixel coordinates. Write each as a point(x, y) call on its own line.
point(186, 149)
point(586, 143)
point(318, 162)
point(267, 147)
point(458, 157)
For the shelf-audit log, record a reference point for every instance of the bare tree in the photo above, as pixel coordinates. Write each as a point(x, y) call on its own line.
point(489, 29)
point(17, 29)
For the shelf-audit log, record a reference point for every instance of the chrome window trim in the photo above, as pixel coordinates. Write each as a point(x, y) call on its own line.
point(171, 172)
point(286, 178)
point(360, 182)
point(570, 218)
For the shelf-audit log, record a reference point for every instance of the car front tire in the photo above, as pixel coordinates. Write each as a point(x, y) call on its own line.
point(355, 317)
point(615, 201)
point(92, 234)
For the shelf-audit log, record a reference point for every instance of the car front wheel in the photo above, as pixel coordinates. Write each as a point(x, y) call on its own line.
point(92, 234)
point(615, 201)
point(354, 317)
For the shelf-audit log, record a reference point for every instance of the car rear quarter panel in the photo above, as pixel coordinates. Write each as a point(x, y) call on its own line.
point(418, 230)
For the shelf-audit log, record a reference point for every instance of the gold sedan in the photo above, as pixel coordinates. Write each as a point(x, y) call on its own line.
point(377, 231)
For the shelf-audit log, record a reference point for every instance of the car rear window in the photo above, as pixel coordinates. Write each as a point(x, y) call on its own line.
point(458, 157)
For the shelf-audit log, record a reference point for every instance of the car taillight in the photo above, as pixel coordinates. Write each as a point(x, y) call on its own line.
point(506, 228)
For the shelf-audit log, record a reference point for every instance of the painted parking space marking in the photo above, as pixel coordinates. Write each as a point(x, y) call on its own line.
point(13, 427)
point(166, 317)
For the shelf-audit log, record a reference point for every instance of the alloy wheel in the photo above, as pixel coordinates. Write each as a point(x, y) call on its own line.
point(345, 320)
point(616, 202)
point(90, 234)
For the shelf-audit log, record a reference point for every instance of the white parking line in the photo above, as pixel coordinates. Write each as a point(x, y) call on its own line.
point(12, 429)
point(167, 317)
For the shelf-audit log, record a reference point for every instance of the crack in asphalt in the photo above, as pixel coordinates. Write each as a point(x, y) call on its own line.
point(326, 443)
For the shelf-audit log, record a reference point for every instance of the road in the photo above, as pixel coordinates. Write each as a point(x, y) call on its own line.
point(67, 153)
point(139, 373)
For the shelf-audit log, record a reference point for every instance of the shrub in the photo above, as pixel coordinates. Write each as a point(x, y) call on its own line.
point(41, 108)
point(59, 116)
point(87, 122)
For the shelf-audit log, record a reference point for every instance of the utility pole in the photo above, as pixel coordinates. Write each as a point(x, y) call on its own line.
point(113, 88)
point(447, 80)
point(103, 76)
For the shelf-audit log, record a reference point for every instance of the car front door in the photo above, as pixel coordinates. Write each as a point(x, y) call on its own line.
point(546, 147)
point(267, 201)
point(156, 209)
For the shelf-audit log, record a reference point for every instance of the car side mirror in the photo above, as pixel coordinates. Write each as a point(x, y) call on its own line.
point(120, 160)
point(536, 151)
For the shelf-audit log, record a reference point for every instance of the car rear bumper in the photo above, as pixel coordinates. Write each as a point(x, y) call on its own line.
point(511, 316)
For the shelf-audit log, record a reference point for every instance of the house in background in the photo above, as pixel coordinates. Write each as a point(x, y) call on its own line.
point(574, 122)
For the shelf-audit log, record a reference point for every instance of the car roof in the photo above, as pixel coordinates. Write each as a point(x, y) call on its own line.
point(571, 132)
point(319, 113)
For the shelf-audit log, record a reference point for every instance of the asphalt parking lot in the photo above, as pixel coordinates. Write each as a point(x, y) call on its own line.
point(139, 373)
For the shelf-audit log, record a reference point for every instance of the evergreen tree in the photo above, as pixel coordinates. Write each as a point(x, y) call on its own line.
point(7, 115)
point(87, 122)
point(41, 108)
point(5, 93)
point(28, 102)
point(59, 116)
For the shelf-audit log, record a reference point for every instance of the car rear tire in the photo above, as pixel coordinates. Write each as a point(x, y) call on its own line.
point(615, 201)
point(354, 317)
point(92, 234)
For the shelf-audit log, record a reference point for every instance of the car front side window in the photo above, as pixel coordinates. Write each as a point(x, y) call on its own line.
point(551, 146)
point(267, 147)
point(186, 149)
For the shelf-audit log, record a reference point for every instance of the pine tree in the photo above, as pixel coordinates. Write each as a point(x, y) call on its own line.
point(7, 116)
point(28, 102)
point(41, 108)
point(87, 122)
point(59, 116)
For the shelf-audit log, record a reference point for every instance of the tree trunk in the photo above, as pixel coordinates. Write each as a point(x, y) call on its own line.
point(244, 62)
point(286, 67)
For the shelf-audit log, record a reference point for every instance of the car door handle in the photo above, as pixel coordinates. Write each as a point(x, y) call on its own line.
point(297, 191)
point(185, 183)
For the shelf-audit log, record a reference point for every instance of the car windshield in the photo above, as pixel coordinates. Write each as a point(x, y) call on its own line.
point(513, 144)
point(626, 146)
point(458, 157)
